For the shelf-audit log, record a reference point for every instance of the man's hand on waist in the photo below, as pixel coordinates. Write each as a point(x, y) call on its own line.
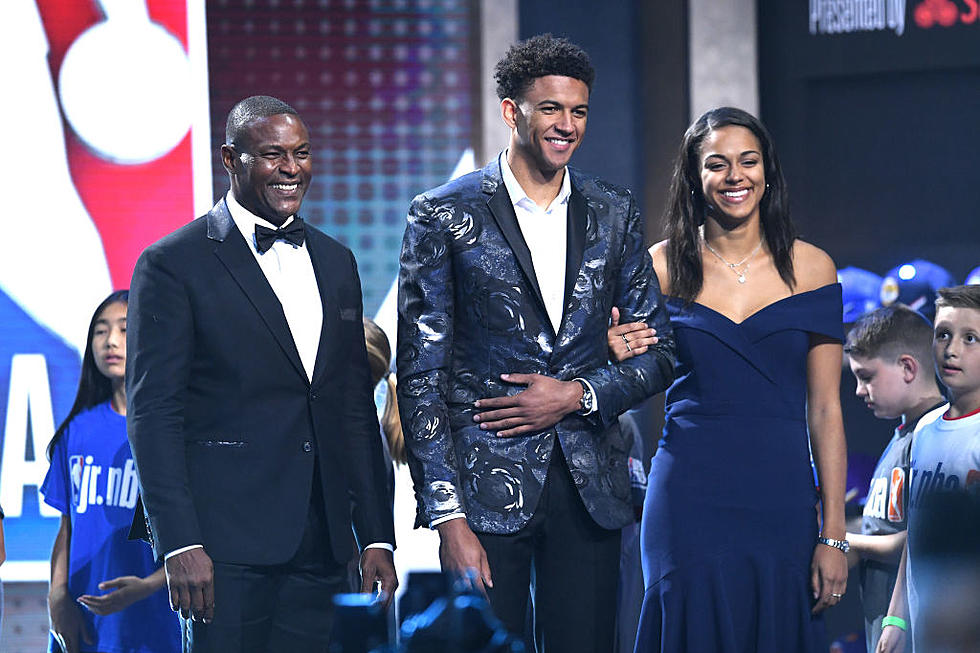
point(541, 405)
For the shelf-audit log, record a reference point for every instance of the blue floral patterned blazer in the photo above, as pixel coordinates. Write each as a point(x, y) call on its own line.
point(469, 310)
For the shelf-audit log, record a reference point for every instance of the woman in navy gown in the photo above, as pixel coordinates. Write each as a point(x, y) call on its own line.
point(732, 559)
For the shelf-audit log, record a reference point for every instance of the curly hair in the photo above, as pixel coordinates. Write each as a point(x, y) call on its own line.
point(686, 205)
point(540, 56)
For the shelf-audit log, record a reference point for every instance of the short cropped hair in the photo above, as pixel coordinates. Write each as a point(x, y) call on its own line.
point(890, 332)
point(249, 109)
point(959, 297)
point(540, 56)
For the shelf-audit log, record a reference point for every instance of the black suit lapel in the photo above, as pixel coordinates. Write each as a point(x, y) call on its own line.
point(232, 250)
point(323, 277)
point(502, 211)
point(578, 218)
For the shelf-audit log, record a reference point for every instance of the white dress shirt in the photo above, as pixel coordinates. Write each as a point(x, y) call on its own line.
point(545, 231)
point(289, 270)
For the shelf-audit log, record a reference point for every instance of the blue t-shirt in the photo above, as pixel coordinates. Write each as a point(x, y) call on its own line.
point(92, 478)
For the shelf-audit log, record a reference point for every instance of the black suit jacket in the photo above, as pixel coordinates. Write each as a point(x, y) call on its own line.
point(225, 425)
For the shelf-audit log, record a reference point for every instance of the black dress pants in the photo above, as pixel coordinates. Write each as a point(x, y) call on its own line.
point(566, 564)
point(285, 608)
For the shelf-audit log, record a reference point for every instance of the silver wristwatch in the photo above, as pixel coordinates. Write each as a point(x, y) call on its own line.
point(843, 545)
point(587, 402)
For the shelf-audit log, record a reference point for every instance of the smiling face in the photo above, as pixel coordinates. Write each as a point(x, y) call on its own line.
point(883, 385)
point(956, 346)
point(271, 168)
point(547, 123)
point(109, 342)
point(733, 178)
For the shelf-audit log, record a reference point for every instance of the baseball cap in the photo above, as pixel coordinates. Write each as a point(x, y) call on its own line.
point(915, 284)
point(973, 279)
point(861, 290)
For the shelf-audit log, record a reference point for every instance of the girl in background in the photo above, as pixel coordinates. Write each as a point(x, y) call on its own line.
point(379, 360)
point(392, 440)
point(106, 592)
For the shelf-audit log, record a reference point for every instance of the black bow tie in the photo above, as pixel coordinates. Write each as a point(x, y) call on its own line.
point(293, 233)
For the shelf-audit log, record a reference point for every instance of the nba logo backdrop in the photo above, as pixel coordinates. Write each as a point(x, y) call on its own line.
point(106, 129)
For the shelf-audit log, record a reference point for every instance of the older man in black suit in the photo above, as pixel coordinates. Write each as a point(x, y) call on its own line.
point(250, 405)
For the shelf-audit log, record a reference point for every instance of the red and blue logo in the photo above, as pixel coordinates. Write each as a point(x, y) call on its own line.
point(112, 116)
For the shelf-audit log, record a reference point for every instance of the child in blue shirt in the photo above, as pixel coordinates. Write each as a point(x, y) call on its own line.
point(106, 592)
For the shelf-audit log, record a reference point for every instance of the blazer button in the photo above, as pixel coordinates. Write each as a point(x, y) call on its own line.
point(313, 396)
point(307, 446)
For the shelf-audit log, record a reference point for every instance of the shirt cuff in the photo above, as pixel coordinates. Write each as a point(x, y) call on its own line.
point(380, 545)
point(182, 549)
point(595, 397)
point(445, 518)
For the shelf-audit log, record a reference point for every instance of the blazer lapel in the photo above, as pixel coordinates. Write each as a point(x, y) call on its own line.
point(502, 211)
point(578, 217)
point(232, 250)
point(330, 312)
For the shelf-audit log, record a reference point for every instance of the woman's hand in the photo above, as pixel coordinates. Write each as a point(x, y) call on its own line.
point(67, 624)
point(628, 340)
point(828, 576)
point(892, 640)
point(124, 591)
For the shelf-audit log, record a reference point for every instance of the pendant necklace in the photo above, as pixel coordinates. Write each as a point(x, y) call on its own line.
point(734, 267)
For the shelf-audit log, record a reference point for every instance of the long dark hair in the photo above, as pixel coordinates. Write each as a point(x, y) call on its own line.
point(686, 206)
point(94, 387)
point(379, 360)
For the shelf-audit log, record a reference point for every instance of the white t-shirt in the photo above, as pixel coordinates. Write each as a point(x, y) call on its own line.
point(945, 457)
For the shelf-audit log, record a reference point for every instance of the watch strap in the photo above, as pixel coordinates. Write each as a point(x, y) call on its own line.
point(843, 545)
point(587, 401)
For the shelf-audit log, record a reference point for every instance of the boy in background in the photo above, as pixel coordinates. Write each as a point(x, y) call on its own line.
point(945, 458)
point(890, 355)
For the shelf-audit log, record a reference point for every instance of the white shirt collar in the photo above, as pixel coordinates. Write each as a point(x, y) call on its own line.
point(245, 220)
point(517, 193)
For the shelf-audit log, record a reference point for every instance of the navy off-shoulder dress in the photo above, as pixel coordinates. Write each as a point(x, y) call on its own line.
point(730, 521)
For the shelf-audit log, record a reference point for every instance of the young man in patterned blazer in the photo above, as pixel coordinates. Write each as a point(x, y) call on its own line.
point(508, 400)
